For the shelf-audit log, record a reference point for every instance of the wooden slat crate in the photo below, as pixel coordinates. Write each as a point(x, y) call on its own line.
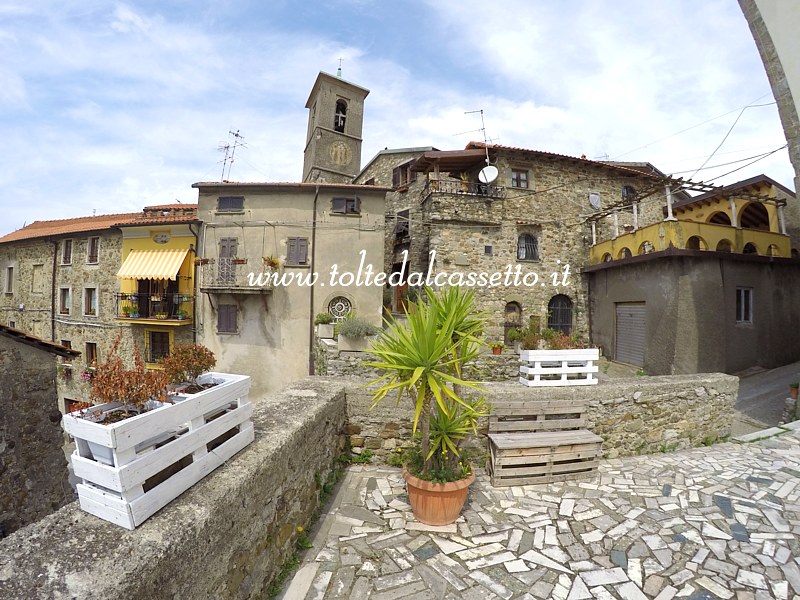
point(542, 368)
point(132, 468)
point(540, 441)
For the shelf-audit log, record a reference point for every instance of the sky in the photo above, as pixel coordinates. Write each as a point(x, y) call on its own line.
point(108, 107)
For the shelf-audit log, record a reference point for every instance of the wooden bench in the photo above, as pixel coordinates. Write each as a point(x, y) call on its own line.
point(540, 441)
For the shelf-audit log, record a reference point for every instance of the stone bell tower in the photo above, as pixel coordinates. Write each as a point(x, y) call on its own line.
point(333, 140)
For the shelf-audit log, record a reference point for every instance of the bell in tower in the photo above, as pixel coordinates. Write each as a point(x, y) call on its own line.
point(335, 120)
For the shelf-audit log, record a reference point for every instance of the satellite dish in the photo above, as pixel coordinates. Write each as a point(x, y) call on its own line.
point(488, 174)
point(594, 200)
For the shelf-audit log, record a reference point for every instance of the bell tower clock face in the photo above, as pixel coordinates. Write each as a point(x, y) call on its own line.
point(340, 153)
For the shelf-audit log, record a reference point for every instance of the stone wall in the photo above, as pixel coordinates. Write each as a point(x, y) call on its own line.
point(226, 537)
point(638, 415)
point(33, 469)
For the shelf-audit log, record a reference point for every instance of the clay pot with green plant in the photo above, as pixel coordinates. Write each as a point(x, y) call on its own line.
point(423, 360)
point(793, 389)
point(497, 348)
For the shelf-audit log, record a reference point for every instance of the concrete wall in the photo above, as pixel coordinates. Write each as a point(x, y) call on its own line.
point(226, 537)
point(33, 469)
point(691, 310)
point(774, 25)
point(637, 415)
point(274, 334)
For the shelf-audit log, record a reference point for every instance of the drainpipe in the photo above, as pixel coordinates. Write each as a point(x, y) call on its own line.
point(195, 287)
point(53, 293)
point(311, 365)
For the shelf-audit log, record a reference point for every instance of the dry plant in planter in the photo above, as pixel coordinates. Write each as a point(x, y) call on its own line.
point(134, 389)
point(185, 364)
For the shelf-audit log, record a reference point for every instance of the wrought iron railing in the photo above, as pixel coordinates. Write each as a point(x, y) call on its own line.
point(448, 186)
point(235, 273)
point(173, 307)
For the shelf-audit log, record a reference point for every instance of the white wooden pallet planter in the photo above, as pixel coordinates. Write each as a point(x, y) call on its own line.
point(132, 468)
point(542, 368)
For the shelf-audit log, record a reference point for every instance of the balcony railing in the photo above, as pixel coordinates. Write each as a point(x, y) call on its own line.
point(448, 186)
point(234, 275)
point(692, 236)
point(162, 307)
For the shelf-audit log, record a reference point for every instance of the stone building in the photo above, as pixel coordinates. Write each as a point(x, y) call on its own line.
point(33, 467)
point(528, 227)
point(312, 235)
point(59, 283)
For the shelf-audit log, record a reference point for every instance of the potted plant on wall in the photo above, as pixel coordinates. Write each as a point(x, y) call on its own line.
point(497, 347)
point(515, 336)
point(793, 387)
point(353, 334)
point(423, 360)
point(324, 323)
point(184, 366)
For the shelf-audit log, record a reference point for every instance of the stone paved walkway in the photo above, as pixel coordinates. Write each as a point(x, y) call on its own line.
point(717, 522)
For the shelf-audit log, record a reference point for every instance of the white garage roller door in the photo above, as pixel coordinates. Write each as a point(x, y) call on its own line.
point(630, 334)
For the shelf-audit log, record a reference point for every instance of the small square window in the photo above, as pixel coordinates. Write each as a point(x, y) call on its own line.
point(346, 206)
point(230, 204)
point(227, 317)
point(744, 305)
point(519, 178)
point(487, 250)
point(296, 251)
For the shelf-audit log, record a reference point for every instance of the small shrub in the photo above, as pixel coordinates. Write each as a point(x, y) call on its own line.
point(517, 334)
point(323, 318)
point(530, 341)
point(353, 327)
point(364, 458)
point(187, 362)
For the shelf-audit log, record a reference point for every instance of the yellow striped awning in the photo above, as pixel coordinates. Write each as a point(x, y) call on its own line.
point(152, 264)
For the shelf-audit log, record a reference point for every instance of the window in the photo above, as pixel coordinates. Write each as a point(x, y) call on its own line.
point(9, 280)
point(401, 225)
point(744, 305)
point(91, 353)
point(346, 206)
point(67, 344)
point(403, 175)
point(157, 346)
point(340, 307)
point(12, 324)
point(90, 301)
point(519, 179)
point(559, 314)
point(297, 251)
point(93, 250)
point(64, 301)
point(527, 247)
point(341, 116)
point(488, 250)
point(227, 318)
point(37, 279)
point(230, 203)
point(66, 252)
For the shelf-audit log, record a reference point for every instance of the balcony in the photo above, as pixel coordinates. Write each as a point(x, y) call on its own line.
point(235, 275)
point(164, 309)
point(690, 235)
point(468, 188)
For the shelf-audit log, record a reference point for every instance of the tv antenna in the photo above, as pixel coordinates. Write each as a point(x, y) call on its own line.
point(488, 174)
point(230, 152)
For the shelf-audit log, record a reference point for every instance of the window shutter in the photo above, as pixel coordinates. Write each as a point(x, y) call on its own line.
point(358, 205)
point(339, 205)
point(412, 175)
point(396, 177)
point(302, 251)
point(291, 251)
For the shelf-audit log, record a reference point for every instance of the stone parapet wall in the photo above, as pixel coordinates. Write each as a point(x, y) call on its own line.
point(226, 537)
point(639, 415)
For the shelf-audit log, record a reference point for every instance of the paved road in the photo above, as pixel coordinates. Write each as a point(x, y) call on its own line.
point(717, 522)
point(762, 396)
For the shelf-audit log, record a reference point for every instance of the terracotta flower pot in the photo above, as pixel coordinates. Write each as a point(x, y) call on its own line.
point(793, 393)
point(437, 503)
point(497, 351)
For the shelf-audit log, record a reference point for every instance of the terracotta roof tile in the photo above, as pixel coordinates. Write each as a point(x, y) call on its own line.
point(39, 229)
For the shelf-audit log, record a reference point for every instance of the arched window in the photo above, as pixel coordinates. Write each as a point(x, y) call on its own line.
point(624, 253)
point(720, 218)
point(696, 243)
point(341, 116)
point(527, 247)
point(559, 314)
point(724, 246)
point(513, 319)
point(607, 257)
point(755, 216)
point(749, 248)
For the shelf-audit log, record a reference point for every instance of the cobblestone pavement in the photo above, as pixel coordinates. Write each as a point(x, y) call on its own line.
point(717, 522)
